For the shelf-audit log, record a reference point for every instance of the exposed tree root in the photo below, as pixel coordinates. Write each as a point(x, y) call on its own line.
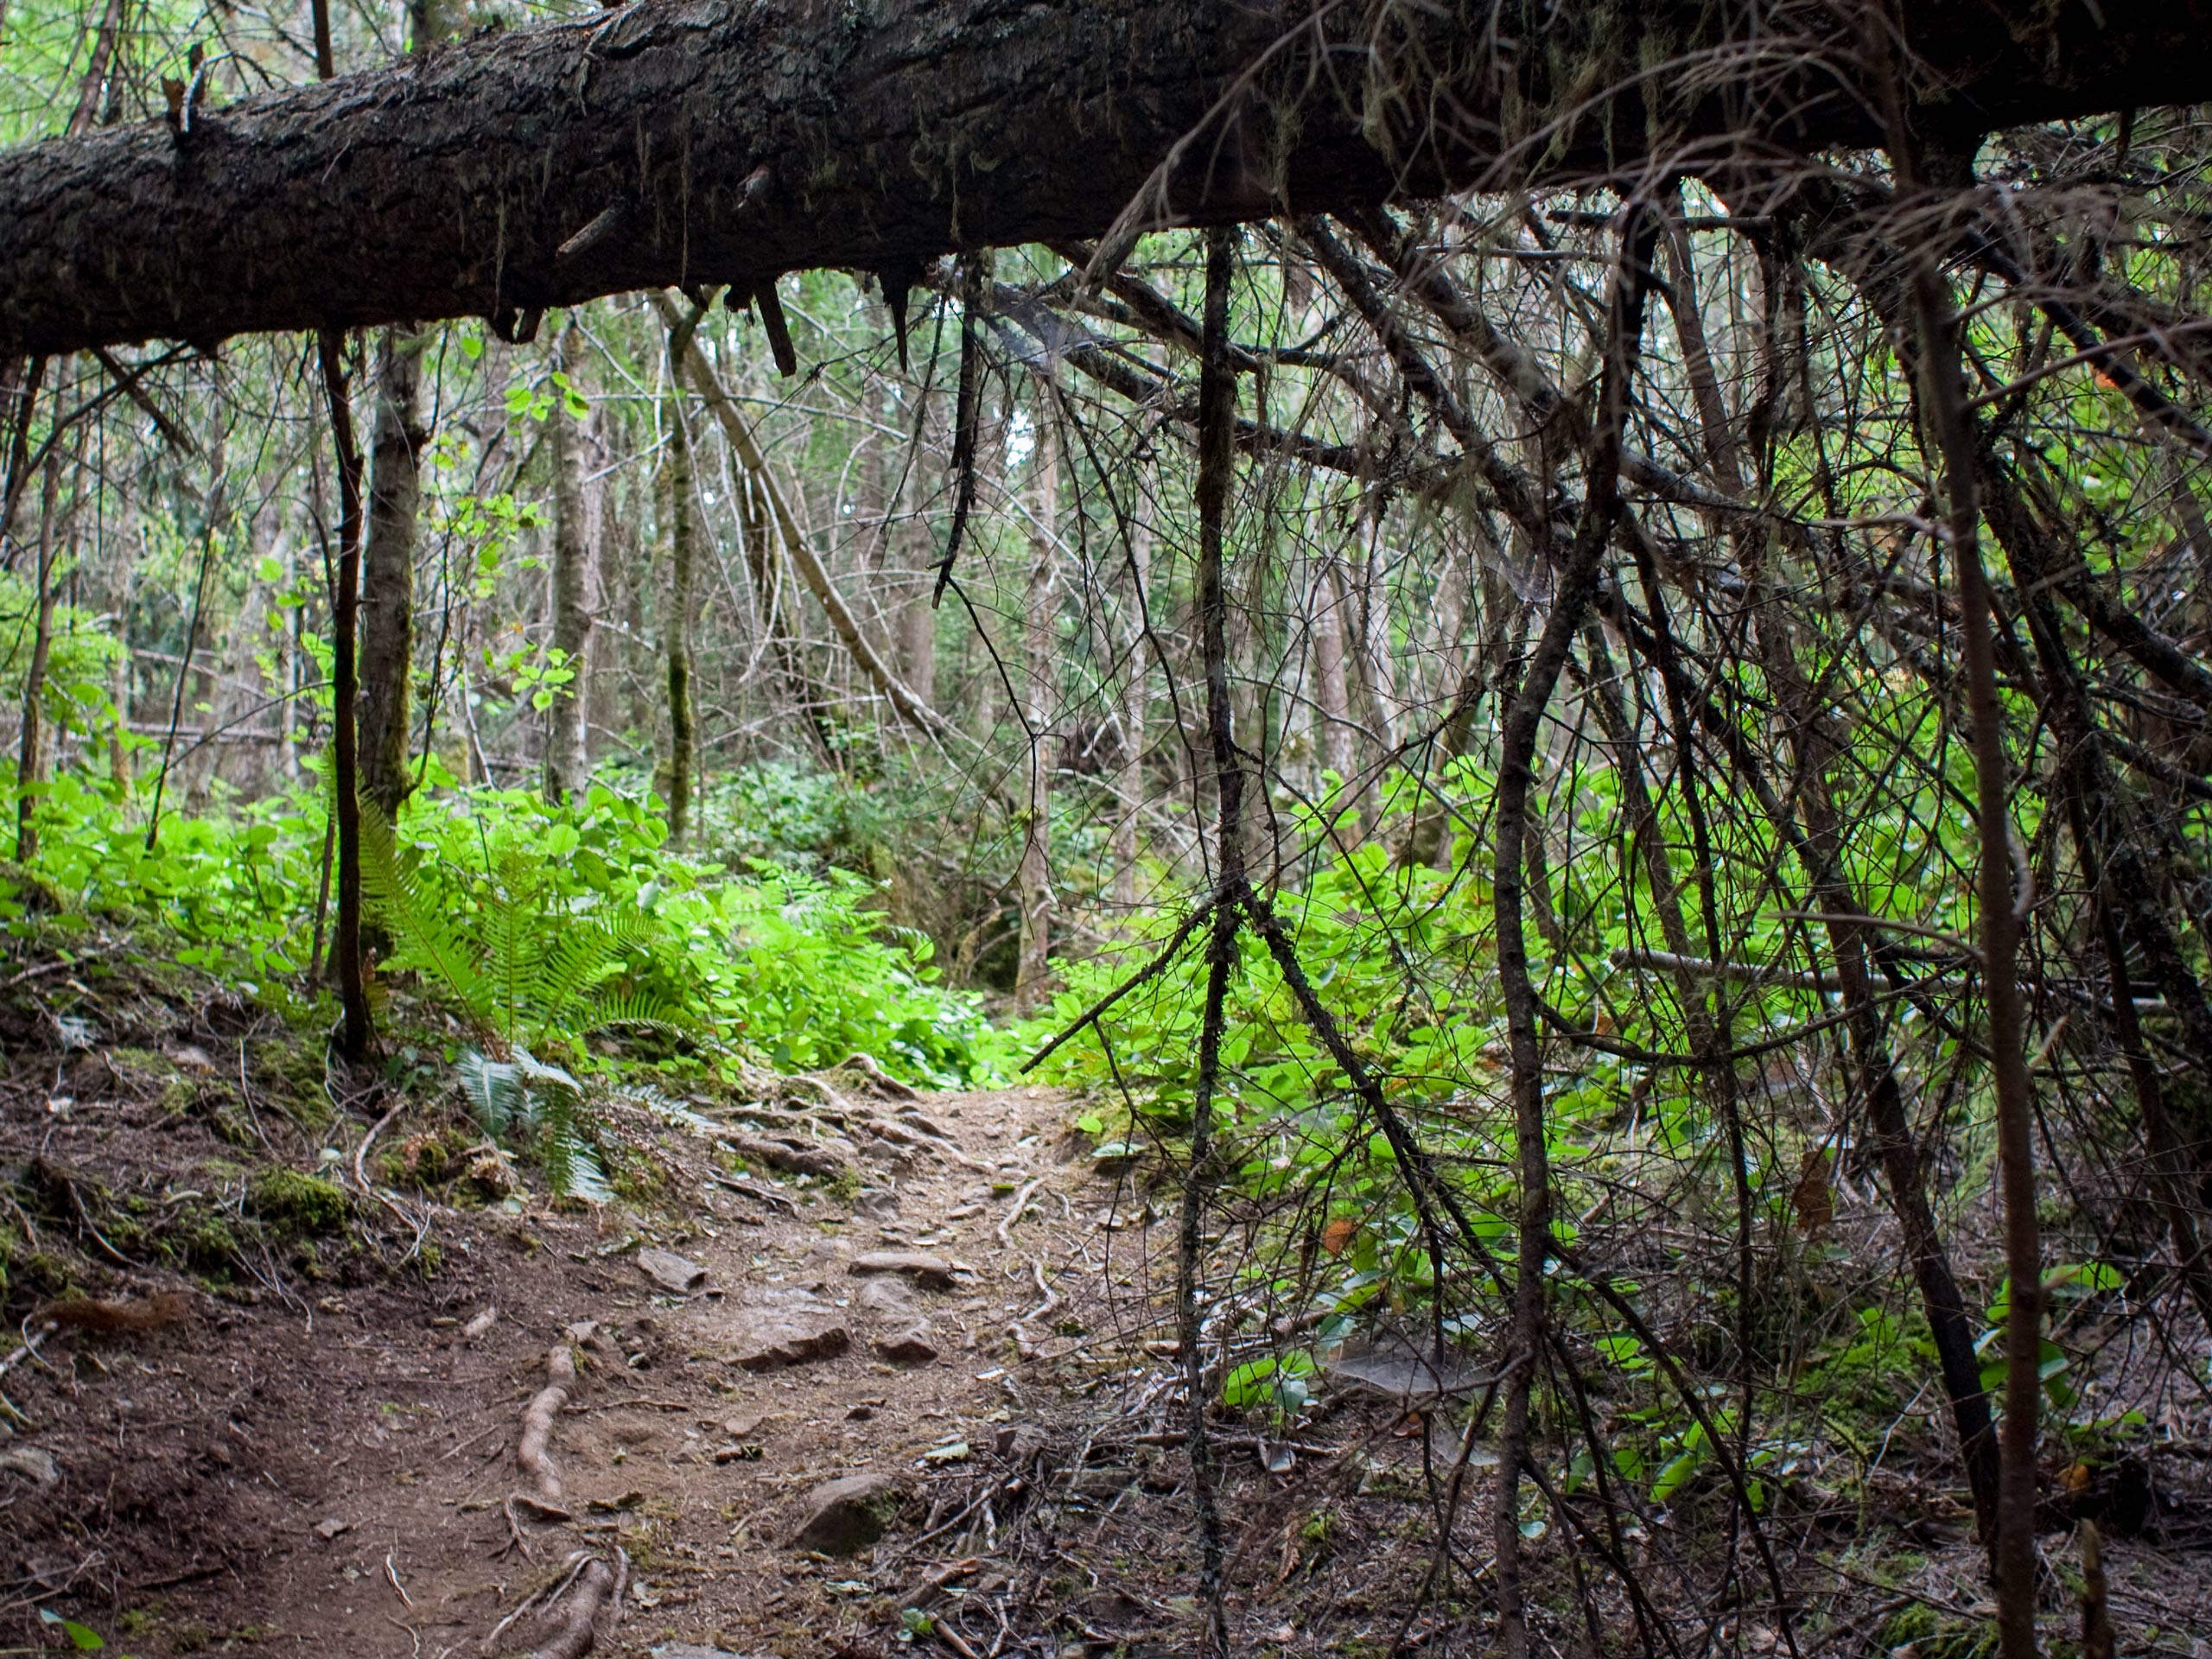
point(789, 1156)
point(881, 1081)
point(598, 1591)
point(537, 1423)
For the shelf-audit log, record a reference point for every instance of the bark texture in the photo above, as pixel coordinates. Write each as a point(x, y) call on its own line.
point(388, 570)
point(567, 764)
point(1032, 969)
point(703, 141)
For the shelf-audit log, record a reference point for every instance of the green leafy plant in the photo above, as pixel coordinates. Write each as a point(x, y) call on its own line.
point(526, 967)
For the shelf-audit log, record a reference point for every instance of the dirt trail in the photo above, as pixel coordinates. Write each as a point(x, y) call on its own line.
point(333, 1471)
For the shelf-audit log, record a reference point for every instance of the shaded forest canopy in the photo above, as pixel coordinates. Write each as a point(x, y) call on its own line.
point(1559, 653)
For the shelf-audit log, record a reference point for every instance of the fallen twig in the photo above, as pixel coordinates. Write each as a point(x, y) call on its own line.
point(361, 1152)
point(575, 1564)
point(29, 1347)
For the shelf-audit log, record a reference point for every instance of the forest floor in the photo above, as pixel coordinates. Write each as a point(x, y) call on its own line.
point(320, 1454)
point(254, 1409)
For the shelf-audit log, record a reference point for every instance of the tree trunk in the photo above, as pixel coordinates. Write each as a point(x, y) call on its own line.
point(388, 570)
point(1332, 693)
point(30, 760)
point(697, 141)
point(1136, 686)
point(1033, 969)
point(684, 556)
point(568, 766)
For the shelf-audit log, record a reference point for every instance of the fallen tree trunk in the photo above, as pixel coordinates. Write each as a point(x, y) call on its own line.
point(678, 142)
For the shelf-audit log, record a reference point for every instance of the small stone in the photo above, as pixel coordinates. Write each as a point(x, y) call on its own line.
point(888, 1298)
point(331, 1527)
point(877, 1204)
point(745, 1425)
point(922, 1267)
point(767, 1338)
point(845, 1516)
point(859, 1414)
point(483, 1322)
point(32, 1463)
point(912, 1346)
point(677, 1275)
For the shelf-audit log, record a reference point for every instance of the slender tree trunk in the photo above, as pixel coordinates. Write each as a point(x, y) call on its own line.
point(388, 570)
point(30, 760)
point(120, 686)
point(1040, 654)
point(1136, 685)
point(1216, 462)
point(358, 1031)
point(1951, 429)
point(684, 556)
point(1577, 589)
point(1331, 687)
point(575, 544)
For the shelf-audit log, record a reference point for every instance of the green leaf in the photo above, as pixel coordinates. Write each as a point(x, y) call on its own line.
point(82, 1638)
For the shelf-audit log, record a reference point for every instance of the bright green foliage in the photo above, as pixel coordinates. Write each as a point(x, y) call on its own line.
point(525, 963)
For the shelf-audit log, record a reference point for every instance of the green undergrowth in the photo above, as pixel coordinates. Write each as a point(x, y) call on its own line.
point(793, 967)
point(1401, 951)
point(530, 962)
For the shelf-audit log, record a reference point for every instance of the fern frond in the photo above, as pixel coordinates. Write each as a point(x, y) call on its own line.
point(566, 971)
point(572, 1167)
point(647, 1009)
point(495, 1091)
point(391, 881)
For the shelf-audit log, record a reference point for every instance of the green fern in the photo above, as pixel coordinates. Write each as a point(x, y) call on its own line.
point(522, 966)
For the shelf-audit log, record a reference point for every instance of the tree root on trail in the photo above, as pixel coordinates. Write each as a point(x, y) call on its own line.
point(598, 1590)
point(789, 1156)
point(881, 1081)
point(537, 1423)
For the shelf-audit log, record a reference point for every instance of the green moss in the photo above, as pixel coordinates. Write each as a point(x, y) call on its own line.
point(296, 1205)
point(291, 1069)
point(1934, 1636)
point(202, 1241)
point(428, 1159)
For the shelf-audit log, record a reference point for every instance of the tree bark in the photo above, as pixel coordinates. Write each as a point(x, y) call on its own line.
point(1040, 651)
point(358, 1030)
point(1136, 686)
point(568, 764)
point(388, 570)
point(703, 140)
point(30, 760)
point(683, 560)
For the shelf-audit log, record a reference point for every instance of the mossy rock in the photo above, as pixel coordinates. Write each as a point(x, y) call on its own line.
point(296, 1205)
